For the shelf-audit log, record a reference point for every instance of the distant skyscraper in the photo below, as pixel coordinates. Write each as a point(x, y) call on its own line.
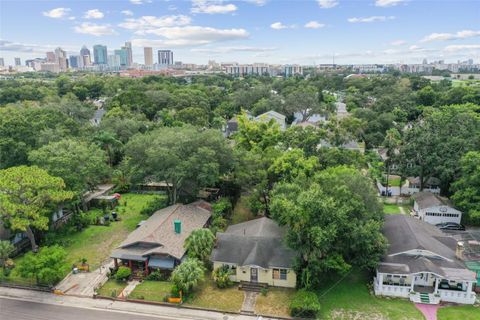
point(425, 61)
point(2, 62)
point(148, 56)
point(50, 56)
point(74, 61)
point(114, 60)
point(61, 59)
point(100, 54)
point(128, 46)
point(86, 57)
point(165, 57)
point(18, 62)
point(123, 54)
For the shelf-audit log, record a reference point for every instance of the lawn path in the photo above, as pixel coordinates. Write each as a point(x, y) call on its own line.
point(428, 310)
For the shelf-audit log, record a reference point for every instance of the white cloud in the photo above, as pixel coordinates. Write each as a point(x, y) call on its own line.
point(327, 4)
point(212, 7)
point(95, 29)
point(314, 25)
point(370, 19)
point(94, 14)
point(190, 36)
point(219, 50)
point(279, 26)
point(398, 43)
point(464, 34)
point(462, 47)
point(388, 3)
point(127, 13)
point(150, 22)
point(57, 13)
point(140, 1)
point(257, 2)
point(11, 46)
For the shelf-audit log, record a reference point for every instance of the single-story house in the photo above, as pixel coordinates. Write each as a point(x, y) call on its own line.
point(350, 145)
point(100, 191)
point(255, 253)
point(277, 117)
point(421, 264)
point(158, 242)
point(434, 209)
point(432, 185)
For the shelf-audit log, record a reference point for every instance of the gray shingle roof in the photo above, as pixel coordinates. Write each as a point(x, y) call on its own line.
point(157, 235)
point(405, 233)
point(257, 242)
point(426, 199)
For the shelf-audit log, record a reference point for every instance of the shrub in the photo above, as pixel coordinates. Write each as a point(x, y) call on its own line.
point(305, 304)
point(264, 291)
point(219, 223)
point(157, 276)
point(47, 266)
point(221, 276)
point(123, 273)
point(155, 204)
point(222, 207)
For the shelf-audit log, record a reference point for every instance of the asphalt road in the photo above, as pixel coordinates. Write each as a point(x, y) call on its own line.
point(26, 310)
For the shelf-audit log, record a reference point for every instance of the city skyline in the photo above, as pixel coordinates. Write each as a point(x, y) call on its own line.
point(370, 31)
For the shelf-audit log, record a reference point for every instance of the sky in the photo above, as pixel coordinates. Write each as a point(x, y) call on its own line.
point(246, 31)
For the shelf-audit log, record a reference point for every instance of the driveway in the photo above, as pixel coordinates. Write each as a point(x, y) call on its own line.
point(84, 283)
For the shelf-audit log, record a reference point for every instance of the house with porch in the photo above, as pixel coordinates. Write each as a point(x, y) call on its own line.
point(158, 242)
point(434, 209)
point(256, 254)
point(432, 185)
point(421, 264)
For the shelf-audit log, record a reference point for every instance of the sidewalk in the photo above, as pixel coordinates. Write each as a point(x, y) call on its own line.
point(120, 306)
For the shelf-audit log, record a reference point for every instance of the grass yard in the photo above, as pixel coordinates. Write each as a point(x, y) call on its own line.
point(460, 312)
point(351, 299)
point(390, 208)
point(275, 303)
point(96, 242)
point(241, 212)
point(112, 288)
point(151, 291)
point(207, 295)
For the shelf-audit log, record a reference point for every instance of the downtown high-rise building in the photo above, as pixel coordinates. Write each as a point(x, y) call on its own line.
point(2, 62)
point(75, 62)
point(128, 47)
point(85, 57)
point(100, 55)
point(51, 56)
point(61, 59)
point(18, 62)
point(165, 57)
point(148, 56)
point(114, 60)
point(123, 54)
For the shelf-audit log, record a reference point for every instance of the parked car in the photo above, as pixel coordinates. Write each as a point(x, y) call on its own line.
point(450, 226)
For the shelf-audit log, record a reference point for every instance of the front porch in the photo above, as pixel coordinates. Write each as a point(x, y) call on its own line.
point(142, 268)
point(424, 287)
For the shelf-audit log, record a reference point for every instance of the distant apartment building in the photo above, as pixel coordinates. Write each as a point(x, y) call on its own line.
point(241, 70)
point(85, 57)
point(50, 56)
point(165, 57)
point(128, 48)
point(18, 62)
point(50, 67)
point(100, 54)
point(35, 64)
point(123, 54)
point(148, 56)
point(292, 70)
point(61, 59)
point(2, 62)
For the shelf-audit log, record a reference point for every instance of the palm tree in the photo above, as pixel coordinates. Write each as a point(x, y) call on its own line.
point(6, 249)
point(199, 244)
point(188, 274)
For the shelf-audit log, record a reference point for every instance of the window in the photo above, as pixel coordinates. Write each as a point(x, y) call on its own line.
point(279, 274)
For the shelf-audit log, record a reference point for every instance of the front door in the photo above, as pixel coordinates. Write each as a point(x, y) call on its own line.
point(253, 275)
point(421, 279)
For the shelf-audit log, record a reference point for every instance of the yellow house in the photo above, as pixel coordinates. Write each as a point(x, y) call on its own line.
point(255, 252)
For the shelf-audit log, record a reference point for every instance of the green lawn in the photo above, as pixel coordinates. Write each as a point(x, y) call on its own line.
point(207, 295)
point(151, 290)
point(351, 299)
point(460, 312)
point(390, 208)
point(241, 212)
point(96, 242)
point(275, 303)
point(112, 288)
